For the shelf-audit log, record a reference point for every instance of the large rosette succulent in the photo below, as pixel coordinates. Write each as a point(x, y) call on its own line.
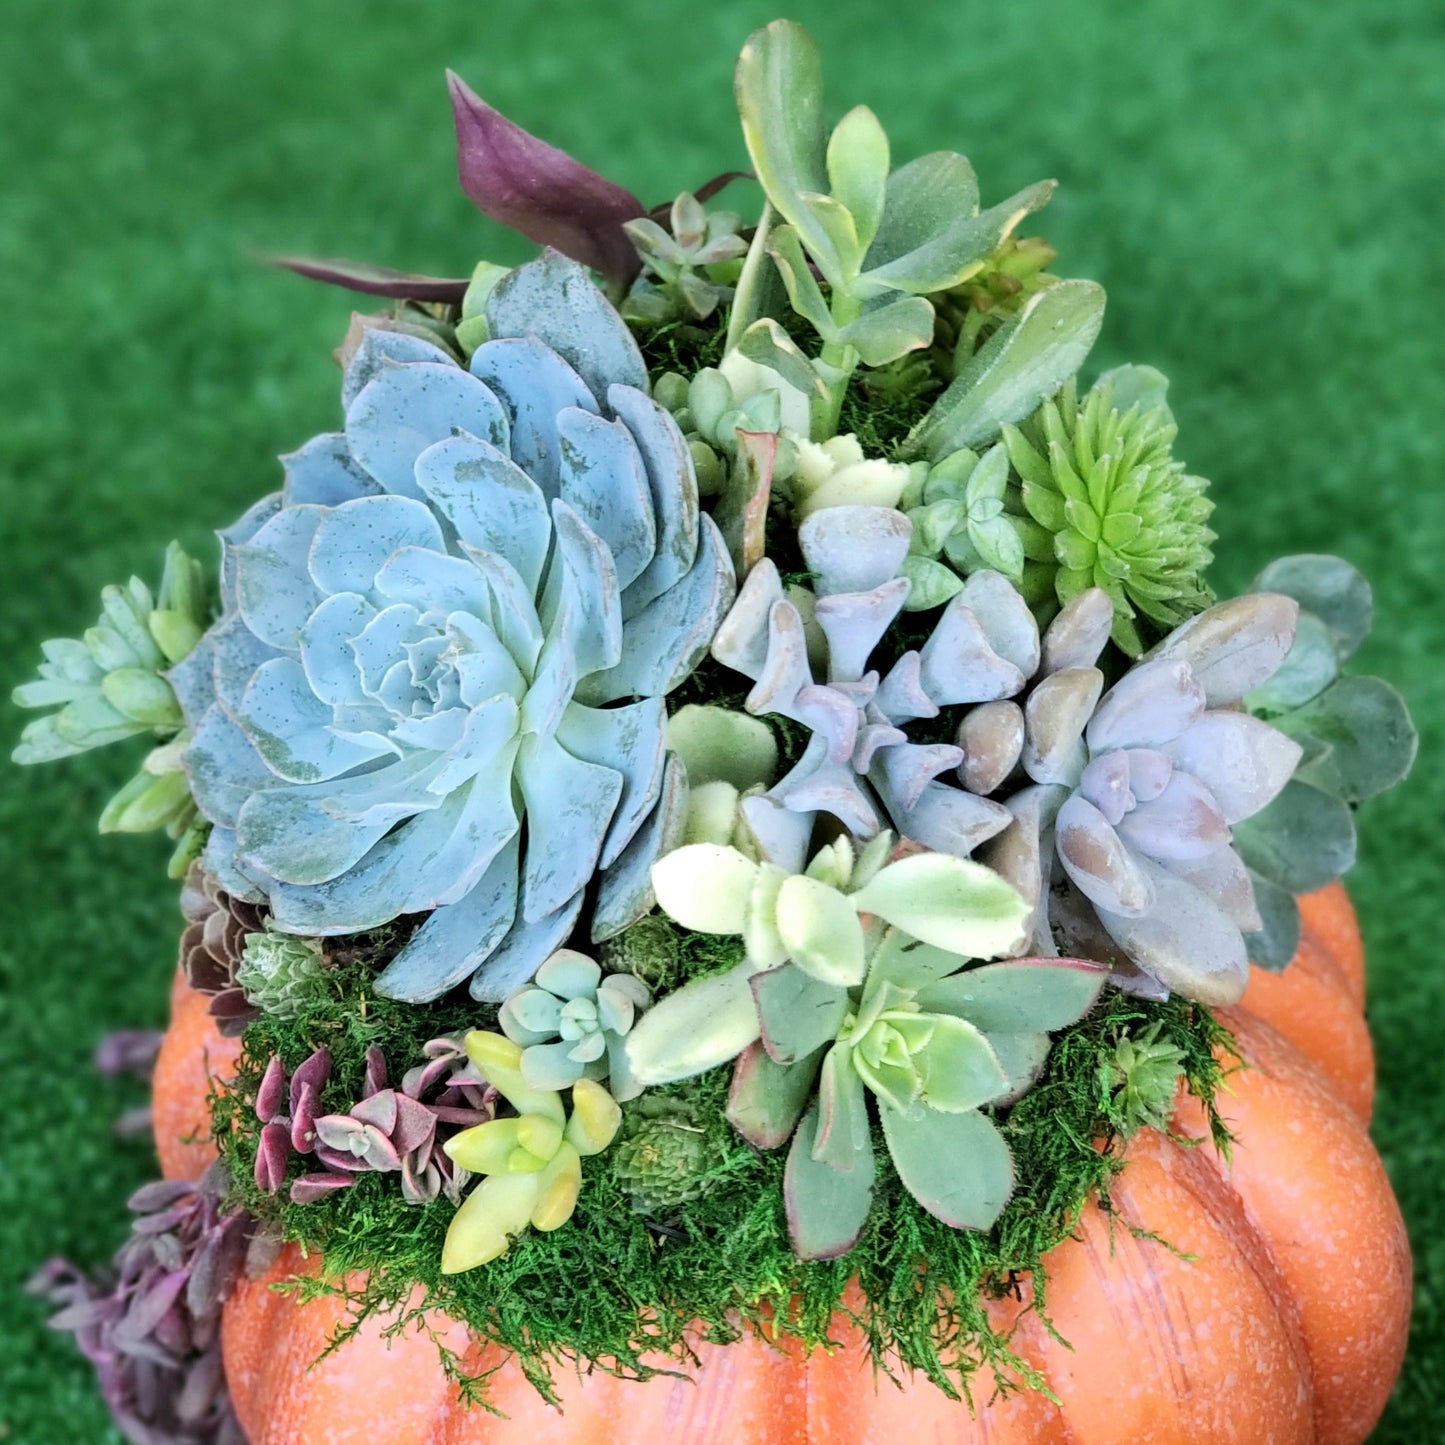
point(437, 685)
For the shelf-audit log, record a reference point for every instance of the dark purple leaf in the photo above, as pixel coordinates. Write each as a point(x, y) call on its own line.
point(375, 1072)
point(160, 1195)
point(128, 1051)
point(415, 1125)
point(375, 280)
point(544, 193)
point(314, 1072)
point(311, 1187)
point(272, 1093)
point(272, 1154)
point(303, 1120)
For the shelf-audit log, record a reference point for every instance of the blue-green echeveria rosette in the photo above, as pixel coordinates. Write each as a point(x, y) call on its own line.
point(437, 684)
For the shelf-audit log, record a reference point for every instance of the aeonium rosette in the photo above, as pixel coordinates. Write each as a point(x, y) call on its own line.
point(437, 685)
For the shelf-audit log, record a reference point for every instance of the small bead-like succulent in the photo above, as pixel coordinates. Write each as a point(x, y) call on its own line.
point(1100, 478)
point(661, 1156)
point(860, 765)
point(278, 972)
point(1124, 837)
point(572, 1022)
point(532, 1163)
point(690, 265)
point(437, 685)
point(112, 684)
point(151, 1325)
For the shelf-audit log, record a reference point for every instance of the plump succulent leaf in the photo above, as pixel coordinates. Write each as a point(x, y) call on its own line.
point(948, 902)
point(1312, 664)
point(799, 1013)
point(1369, 741)
point(704, 1024)
point(827, 1207)
point(1331, 589)
point(768, 1099)
point(1022, 995)
point(956, 1166)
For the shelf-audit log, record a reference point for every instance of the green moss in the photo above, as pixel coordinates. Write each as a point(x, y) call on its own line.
point(720, 1264)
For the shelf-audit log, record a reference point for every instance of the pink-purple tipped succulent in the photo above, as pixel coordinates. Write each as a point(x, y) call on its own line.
point(151, 1325)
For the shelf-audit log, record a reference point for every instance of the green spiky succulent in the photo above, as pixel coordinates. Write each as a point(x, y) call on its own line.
point(661, 1158)
point(1142, 1076)
point(690, 264)
point(1110, 505)
point(278, 972)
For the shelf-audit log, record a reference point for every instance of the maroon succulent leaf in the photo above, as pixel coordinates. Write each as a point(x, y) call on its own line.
point(271, 1096)
point(303, 1119)
point(544, 193)
point(375, 280)
point(311, 1187)
point(376, 1079)
point(273, 1153)
point(313, 1074)
point(127, 1051)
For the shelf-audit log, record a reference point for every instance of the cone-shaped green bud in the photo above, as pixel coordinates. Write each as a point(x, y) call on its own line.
point(661, 1158)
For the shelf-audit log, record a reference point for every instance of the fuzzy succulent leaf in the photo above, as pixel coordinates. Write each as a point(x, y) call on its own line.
point(768, 1099)
point(947, 902)
point(1021, 995)
point(827, 1207)
point(956, 1166)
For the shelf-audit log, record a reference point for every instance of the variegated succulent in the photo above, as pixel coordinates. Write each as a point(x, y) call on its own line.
point(438, 682)
point(860, 766)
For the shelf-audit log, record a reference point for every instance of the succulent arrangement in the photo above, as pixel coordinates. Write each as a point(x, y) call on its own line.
point(701, 800)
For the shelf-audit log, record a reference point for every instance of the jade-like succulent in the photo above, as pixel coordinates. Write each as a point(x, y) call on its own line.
point(112, 684)
point(860, 766)
point(437, 686)
point(1358, 741)
point(572, 1022)
point(813, 921)
point(1117, 511)
point(661, 1156)
point(691, 265)
point(278, 972)
point(1124, 837)
point(532, 1163)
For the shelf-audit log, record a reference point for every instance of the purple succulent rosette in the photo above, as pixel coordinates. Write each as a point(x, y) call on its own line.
point(437, 684)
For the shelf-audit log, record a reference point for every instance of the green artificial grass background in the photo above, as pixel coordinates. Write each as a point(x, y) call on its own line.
point(1256, 183)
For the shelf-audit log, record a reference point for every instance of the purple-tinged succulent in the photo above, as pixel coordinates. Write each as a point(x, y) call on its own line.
point(387, 1131)
point(437, 684)
point(214, 944)
point(860, 766)
point(1124, 835)
point(132, 1053)
point(151, 1326)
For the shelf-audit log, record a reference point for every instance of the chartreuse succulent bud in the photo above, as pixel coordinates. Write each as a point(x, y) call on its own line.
point(1142, 1077)
point(1100, 478)
point(572, 1022)
point(532, 1163)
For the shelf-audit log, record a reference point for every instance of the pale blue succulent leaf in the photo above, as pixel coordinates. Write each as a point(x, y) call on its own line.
point(275, 594)
point(483, 751)
point(555, 681)
point(485, 666)
point(381, 643)
point(673, 485)
point(555, 300)
point(1304, 840)
point(218, 858)
point(585, 566)
point(569, 805)
point(325, 474)
point(237, 534)
point(947, 819)
point(631, 740)
point(552, 1066)
point(290, 727)
point(223, 768)
point(490, 501)
point(456, 940)
point(381, 348)
point(535, 384)
point(513, 613)
point(625, 893)
point(1273, 946)
point(193, 681)
point(432, 581)
point(605, 482)
point(352, 541)
point(1328, 588)
point(326, 651)
point(405, 409)
point(666, 641)
point(523, 951)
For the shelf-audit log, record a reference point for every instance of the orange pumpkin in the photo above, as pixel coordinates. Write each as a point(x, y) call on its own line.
point(1285, 1326)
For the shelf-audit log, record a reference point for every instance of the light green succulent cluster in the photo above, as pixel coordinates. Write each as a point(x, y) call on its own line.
point(690, 266)
point(845, 992)
point(279, 972)
point(572, 1022)
point(1109, 505)
point(531, 1163)
point(110, 684)
point(1142, 1078)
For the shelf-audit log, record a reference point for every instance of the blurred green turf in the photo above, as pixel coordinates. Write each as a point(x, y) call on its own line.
point(1256, 182)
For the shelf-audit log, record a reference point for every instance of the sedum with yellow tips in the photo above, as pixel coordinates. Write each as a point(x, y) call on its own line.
point(532, 1164)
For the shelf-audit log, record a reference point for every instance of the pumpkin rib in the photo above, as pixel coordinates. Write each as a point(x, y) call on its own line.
point(1311, 1181)
point(1328, 916)
point(192, 1054)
